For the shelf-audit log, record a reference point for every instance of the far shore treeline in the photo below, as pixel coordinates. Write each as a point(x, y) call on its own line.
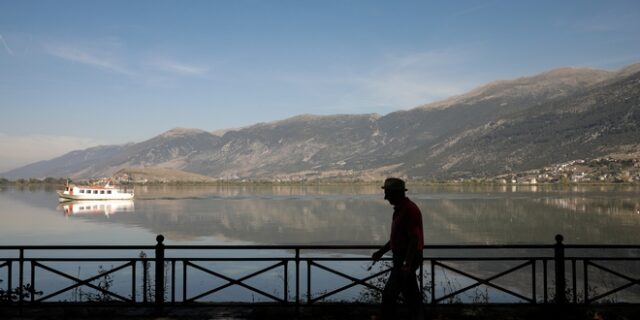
point(30, 181)
point(599, 171)
point(51, 181)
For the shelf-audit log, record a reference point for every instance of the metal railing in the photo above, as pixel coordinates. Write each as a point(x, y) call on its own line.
point(173, 265)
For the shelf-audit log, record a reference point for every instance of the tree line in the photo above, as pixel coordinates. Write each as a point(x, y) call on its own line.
point(31, 181)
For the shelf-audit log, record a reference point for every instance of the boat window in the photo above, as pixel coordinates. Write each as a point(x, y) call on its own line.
point(101, 191)
point(95, 191)
point(108, 191)
point(81, 190)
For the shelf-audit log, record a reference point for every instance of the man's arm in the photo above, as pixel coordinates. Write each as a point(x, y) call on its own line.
point(378, 254)
point(411, 251)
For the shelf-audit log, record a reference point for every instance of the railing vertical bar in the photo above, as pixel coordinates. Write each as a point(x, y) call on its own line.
point(33, 281)
point(10, 276)
point(574, 279)
point(173, 281)
point(309, 264)
point(145, 271)
point(421, 280)
point(534, 298)
point(297, 278)
point(286, 281)
point(133, 281)
point(545, 286)
point(433, 281)
point(586, 281)
point(184, 280)
point(21, 279)
point(559, 270)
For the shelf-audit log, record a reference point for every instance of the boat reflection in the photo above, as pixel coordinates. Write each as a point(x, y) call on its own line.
point(88, 207)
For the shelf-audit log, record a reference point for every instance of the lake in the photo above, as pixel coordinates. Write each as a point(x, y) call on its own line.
point(324, 215)
point(339, 214)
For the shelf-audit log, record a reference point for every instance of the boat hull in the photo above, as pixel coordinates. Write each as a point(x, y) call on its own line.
point(120, 196)
point(107, 192)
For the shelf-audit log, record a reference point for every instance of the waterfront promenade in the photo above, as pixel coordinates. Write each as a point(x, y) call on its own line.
point(556, 281)
point(326, 312)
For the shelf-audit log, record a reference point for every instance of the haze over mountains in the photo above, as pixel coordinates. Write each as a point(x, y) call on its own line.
point(502, 127)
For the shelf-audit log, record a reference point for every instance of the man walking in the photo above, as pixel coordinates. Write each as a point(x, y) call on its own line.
point(406, 242)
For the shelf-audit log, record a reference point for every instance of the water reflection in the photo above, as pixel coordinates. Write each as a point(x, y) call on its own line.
point(320, 215)
point(341, 214)
point(99, 207)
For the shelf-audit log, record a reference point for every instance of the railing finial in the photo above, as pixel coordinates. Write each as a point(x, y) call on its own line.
point(559, 238)
point(160, 239)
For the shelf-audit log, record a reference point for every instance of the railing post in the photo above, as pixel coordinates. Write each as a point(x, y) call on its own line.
point(133, 281)
point(559, 270)
point(421, 281)
point(10, 278)
point(586, 281)
point(21, 281)
point(433, 281)
point(286, 281)
point(159, 285)
point(533, 281)
point(297, 279)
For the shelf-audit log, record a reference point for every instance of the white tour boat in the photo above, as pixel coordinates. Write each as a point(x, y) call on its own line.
point(106, 192)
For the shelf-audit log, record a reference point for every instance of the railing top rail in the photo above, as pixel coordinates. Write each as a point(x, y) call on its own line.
point(602, 246)
point(348, 247)
point(78, 247)
point(306, 247)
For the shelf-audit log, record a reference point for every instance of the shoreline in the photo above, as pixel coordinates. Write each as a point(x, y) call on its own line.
point(420, 183)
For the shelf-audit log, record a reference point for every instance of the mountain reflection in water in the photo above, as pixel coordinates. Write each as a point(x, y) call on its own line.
point(352, 214)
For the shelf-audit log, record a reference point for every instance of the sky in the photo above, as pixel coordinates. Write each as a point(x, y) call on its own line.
point(76, 74)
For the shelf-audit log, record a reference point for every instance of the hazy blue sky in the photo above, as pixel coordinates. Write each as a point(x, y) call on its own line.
point(75, 74)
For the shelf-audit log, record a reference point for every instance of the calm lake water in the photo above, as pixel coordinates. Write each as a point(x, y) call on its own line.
point(323, 215)
point(233, 215)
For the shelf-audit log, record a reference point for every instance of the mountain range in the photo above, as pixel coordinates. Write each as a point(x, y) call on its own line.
point(502, 127)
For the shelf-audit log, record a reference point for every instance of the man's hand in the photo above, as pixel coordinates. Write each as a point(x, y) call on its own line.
point(377, 255)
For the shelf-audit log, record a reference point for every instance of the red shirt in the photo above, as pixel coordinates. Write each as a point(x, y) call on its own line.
point(407, 222)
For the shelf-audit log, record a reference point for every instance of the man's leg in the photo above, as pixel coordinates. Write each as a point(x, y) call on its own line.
point(390, 294)
point(412, 295)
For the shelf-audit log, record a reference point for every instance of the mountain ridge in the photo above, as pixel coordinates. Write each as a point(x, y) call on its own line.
point(468, 135)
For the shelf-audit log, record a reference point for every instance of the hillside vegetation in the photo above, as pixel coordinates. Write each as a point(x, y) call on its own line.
point(500, 129)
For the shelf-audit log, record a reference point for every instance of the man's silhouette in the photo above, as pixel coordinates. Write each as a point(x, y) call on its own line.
point(406, 242)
